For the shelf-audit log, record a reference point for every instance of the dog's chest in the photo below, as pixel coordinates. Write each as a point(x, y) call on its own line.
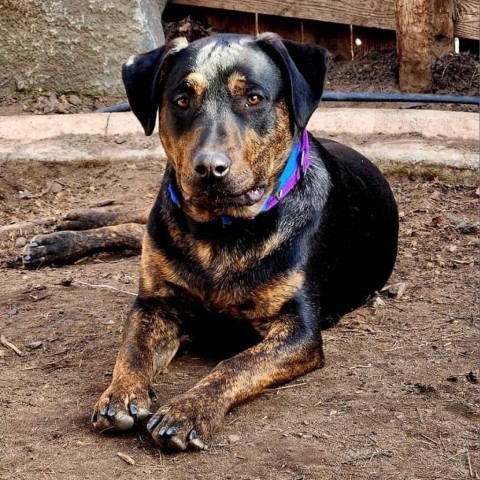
point(238, 284)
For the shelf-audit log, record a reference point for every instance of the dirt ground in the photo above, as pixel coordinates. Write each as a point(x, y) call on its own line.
point(398, 398)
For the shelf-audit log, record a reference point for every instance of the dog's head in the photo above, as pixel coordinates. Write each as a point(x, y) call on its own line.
point(230, 108)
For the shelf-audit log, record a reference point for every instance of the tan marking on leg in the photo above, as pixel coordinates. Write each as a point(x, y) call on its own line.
point(149, 344)
point(282, 356)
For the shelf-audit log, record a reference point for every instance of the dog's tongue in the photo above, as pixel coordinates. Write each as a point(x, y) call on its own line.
point(255, 195)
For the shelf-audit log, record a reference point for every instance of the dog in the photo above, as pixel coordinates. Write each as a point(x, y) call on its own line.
point(260, 237)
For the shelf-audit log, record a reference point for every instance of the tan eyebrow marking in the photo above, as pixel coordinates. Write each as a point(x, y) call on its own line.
point(197, 82)
point(237, 84)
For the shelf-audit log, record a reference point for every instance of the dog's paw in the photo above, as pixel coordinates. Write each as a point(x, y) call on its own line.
point(184, 423)
point(121, 408)
point(51, 248)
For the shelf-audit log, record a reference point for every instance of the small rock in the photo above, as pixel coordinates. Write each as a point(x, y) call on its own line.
point(34, 345)
point(56, 187)
point(471, 377)
point(60, 109)
point(66, 282)
point(12, 311)
point(21, 242)
point(378, 302)
point(424, 389)
point(124, 278)
point(462, 224)
point(74, 100)
point(397, 289)
point(232, 439)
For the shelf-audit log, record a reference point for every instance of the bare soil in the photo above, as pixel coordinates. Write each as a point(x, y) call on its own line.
point(398, 398)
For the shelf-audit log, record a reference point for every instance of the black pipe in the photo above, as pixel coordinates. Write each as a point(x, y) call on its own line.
point(355, 97)
point(397, 97)
point(117, 108)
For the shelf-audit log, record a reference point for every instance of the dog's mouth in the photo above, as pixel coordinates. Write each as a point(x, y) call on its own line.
point(219, 199)
point(248, 198)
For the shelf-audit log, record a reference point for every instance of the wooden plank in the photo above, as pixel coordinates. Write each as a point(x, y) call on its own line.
point(333, 36)
point(234, 22)
point(468, 19)
point(424, 33)
point(375, 13)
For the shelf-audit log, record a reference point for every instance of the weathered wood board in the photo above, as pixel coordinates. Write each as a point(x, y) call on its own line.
point(372, 13)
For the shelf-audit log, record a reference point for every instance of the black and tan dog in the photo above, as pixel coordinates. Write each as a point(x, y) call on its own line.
point(260, 235)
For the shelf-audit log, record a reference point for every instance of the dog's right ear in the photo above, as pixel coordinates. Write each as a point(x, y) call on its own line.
point(304, 67)
point(141, 76)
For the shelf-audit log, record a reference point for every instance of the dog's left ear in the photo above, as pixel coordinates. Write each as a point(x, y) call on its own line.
point(304, 68)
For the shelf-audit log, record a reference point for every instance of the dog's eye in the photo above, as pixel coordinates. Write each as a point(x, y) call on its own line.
point(182, 102)
point(253, 99)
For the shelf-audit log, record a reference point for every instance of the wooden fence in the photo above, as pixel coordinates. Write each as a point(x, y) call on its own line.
point(425, 29)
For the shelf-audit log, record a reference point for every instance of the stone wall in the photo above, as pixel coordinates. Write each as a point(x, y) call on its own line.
point(71, 45)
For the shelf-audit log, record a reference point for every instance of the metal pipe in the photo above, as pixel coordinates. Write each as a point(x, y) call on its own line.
point(397, 97)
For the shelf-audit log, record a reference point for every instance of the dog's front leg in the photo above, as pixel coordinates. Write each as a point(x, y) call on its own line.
point(291, 348)
point(150, 341)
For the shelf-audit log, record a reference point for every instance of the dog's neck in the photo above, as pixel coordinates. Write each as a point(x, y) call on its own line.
point(296, 166)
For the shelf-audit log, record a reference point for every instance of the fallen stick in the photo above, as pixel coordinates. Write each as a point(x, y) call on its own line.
point(108, 287)
point(470, 465)
point(126, 458)
point(25, 226)
point(11, 346)
point(284, 387)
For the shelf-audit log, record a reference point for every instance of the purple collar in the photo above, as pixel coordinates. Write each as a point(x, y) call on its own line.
point(297, 164)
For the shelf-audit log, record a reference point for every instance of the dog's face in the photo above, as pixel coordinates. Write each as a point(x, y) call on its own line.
point(230, 108)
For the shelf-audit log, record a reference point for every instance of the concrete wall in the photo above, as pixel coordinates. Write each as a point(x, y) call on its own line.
point(73, 45)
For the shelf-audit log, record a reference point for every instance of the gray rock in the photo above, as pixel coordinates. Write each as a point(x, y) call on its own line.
point(71, 46)
point(21, 242)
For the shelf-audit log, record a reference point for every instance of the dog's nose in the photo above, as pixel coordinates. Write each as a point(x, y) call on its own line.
point(212, 166)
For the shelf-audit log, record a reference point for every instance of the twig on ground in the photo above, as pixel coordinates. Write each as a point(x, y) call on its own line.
point(20, 228)
point(6, 343)
point(429, 439)
point(48, 189)
point(108, 287)
point(420, 416)
point(288, 386)
point(470, 469)
point(126, 458)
